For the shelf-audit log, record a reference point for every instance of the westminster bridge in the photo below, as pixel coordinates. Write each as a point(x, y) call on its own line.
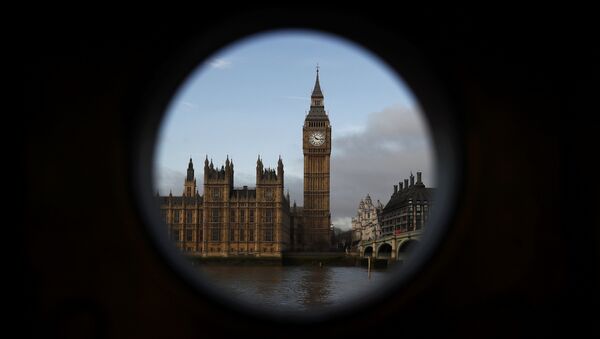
point(392, 246)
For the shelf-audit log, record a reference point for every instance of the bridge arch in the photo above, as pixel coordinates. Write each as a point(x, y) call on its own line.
point(384, 251)
point(406, 248)
point(368, 251)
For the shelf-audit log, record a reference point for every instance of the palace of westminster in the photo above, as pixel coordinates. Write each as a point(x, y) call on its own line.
point(260, 221)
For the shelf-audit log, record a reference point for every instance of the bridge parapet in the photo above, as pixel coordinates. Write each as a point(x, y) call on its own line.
point(372, 247)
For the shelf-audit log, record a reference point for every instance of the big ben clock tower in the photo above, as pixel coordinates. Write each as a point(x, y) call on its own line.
point(316, 135)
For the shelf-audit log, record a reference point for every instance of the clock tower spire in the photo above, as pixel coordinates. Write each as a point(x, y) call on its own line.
point(316, 134)
point(317, 105)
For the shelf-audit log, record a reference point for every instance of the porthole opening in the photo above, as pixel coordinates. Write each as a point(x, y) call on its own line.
point(296, 175)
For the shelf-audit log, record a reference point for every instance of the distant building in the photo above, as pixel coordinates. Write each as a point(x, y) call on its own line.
point(342, 239)
point(365, 225)
point(297, 240)
point(408, 208)
point(229, 221)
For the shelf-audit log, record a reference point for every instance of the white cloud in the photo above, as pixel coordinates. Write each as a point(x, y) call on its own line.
point(371, 160)
point(188, 106)
point(341, 131)
point(220, 63)
point(344, 223)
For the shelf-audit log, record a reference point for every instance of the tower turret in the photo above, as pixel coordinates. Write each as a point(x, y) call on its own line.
point(189, 187)
point(280, 171)
point(190, 171)
point(259, 168)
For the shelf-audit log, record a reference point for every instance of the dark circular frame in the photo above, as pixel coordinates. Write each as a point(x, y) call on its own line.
point(393, 50)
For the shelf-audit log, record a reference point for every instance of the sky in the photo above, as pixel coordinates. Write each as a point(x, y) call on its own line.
point(251, 99)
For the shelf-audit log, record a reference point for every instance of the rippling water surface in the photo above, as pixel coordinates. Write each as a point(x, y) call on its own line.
point(295, 288)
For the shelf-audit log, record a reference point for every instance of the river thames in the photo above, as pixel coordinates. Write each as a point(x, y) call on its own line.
point(295, 288)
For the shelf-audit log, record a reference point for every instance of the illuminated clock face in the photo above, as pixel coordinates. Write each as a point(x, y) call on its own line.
point(316, 138)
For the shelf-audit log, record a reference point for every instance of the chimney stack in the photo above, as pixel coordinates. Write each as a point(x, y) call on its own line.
point(395, 189)
point(400, 184)
point(419, 178)
point(412, 179)
point(405, 183)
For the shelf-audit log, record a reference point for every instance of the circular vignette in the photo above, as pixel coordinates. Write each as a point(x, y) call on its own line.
point(402, 58)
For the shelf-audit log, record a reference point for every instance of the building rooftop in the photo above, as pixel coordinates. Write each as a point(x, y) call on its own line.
point(179, 200)
point(243, 193)
point(414, 193)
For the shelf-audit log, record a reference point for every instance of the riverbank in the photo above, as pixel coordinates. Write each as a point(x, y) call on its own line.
point(337, 259)
point(319, 259)
point(236, 261)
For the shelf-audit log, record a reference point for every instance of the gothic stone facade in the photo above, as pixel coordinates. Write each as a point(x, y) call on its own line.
point(228, 221)
point(365, 225)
